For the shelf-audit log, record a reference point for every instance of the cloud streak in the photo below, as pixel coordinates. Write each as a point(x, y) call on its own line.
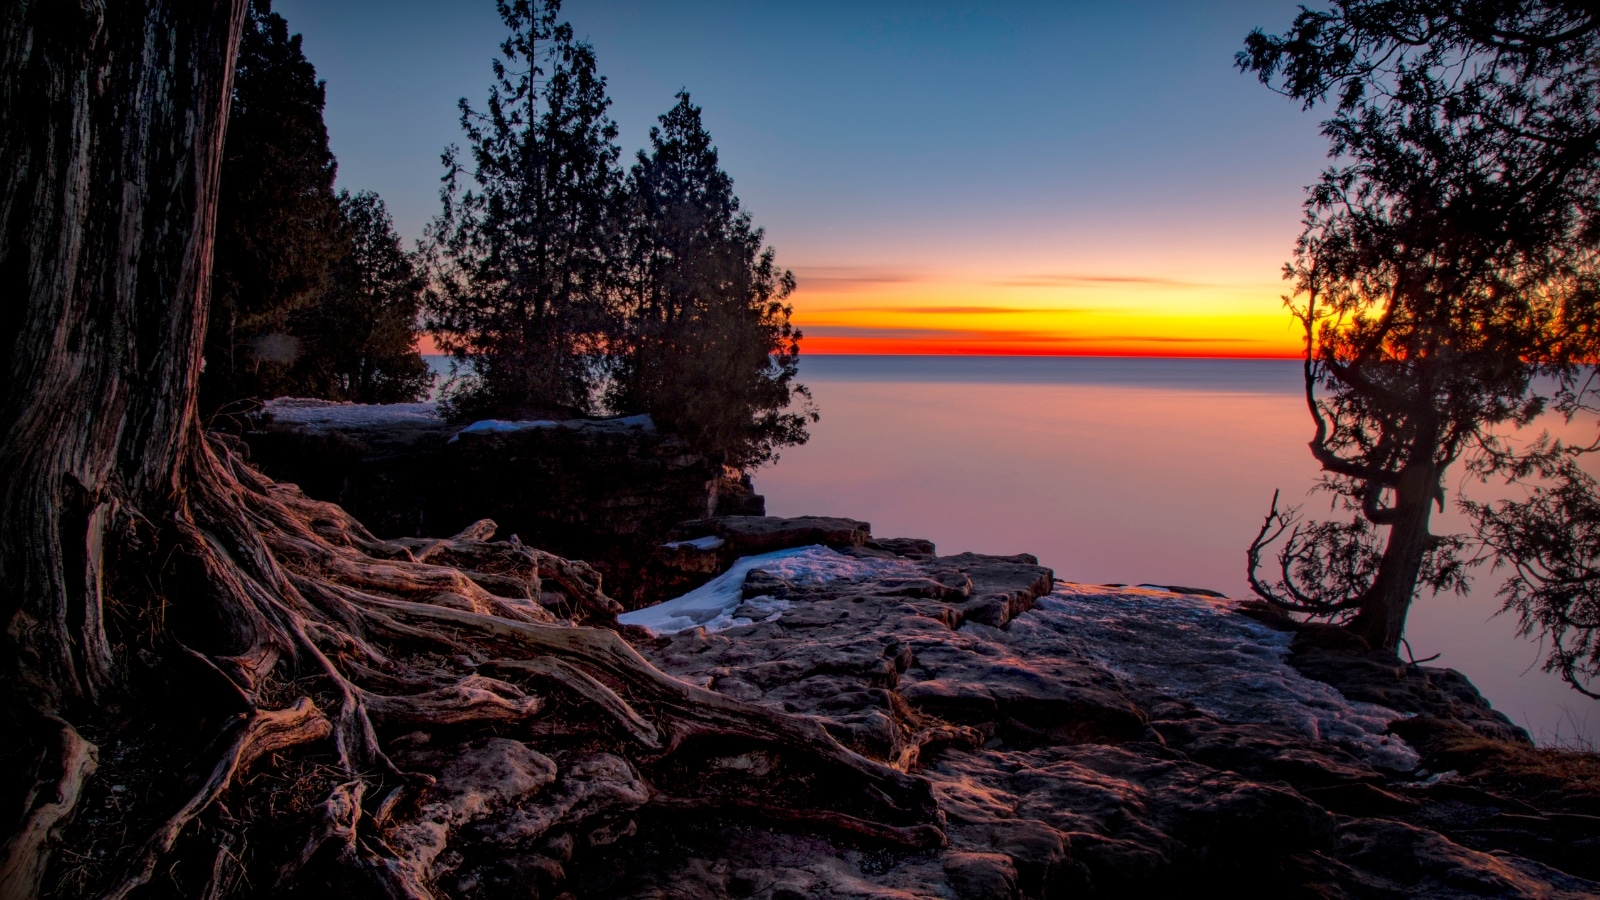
point(1081, 280)
point(869, 276)
point(955, 335)
point(959, 310)
point(853, 276)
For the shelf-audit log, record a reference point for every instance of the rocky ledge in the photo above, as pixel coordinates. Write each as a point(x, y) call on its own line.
point(602, 490)
point(1078, 739)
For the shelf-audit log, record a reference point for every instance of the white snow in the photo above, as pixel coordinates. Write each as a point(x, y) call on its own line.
point(712, 605)
point(502, 426)
point(709, 542)
point(316, 414)
point(320, 414)
point(1199, 650)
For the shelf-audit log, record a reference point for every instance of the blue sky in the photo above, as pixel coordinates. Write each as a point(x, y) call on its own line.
point(892, 142)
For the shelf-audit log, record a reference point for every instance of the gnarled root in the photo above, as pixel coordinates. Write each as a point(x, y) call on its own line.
point(420, 688)
point(50, 799)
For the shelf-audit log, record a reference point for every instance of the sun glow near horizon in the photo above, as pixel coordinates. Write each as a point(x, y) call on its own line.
point(850, 310)
point(855, 310)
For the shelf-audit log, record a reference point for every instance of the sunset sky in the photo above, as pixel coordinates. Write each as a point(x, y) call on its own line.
point(1004, 178)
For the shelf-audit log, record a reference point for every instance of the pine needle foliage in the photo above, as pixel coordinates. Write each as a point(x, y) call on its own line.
point(277, 217)
point(359, 342)
point(527, 242)
point(561, 287)
point(1446, 279)
point(706, 341)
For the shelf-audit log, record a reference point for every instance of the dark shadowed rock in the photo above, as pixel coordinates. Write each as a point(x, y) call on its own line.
point(701, 548)
point(749, 535)
point(606, 491)
point(1339, 658)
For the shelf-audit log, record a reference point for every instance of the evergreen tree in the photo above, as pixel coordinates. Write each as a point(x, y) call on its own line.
point(526, 242)
point(708, 349)
point(359, 341)
point(1446, 279)
point(277, 217)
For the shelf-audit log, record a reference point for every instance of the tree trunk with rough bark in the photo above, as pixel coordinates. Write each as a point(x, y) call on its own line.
point(1381, 619)
point(175, 622)
point(111, 122)
point(112, 135)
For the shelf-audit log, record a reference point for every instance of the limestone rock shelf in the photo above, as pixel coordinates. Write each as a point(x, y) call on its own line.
point(1079, 740)
point(1093, 740)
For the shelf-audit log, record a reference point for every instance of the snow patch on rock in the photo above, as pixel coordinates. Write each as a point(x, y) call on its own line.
point(321, 414)
point(709, 542)
point(713, 605)
point(504, 426)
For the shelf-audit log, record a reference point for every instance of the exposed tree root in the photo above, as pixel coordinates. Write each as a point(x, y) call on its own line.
point(308, 638)
point(49, 800)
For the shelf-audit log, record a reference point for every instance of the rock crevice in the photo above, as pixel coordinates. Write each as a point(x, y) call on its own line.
point(1097, 740)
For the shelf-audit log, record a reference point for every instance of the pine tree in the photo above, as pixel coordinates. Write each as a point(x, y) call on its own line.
point(708, 349)
point(358, 342)
point(277, 217)
point(526, 243)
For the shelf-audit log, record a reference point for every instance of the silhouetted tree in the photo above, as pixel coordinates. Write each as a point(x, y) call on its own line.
point(277, 217)
point(358, 341)
point(527, 240)
point(1447, 264)
point(707, 347)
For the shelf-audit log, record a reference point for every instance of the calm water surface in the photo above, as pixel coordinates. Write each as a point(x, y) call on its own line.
point(1112, 471)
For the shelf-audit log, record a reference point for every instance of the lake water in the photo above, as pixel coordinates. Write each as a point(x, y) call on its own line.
point(1113, 471)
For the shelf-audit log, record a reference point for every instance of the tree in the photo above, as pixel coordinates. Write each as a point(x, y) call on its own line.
point(528, 252)
point(237, 656)
point(707, 347)
point(1446, 275)
point(358, 341)
point(277, 217)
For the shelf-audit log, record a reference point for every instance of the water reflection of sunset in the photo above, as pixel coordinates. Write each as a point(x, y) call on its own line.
point(1041, 315)
point(1124, 471)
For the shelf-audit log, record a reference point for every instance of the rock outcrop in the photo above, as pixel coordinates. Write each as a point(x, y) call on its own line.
point(1084, 740)
point(988, 731)
point(605, 491)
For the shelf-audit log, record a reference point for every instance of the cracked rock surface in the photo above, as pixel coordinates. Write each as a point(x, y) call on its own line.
point(1110, 741)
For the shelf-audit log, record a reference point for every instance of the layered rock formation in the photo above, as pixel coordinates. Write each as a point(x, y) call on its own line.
point(1072, 740)
point(1077, 740)
point(605, 491)
point(1044, 739)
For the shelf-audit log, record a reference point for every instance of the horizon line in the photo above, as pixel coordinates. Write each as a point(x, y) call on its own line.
point(1036, 354)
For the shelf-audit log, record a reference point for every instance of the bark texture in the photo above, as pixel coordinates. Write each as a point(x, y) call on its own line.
point(206, 671)
point(1381, 619)
point(111, 125)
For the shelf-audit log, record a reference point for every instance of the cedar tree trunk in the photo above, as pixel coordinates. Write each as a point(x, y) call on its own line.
point(1381, 618)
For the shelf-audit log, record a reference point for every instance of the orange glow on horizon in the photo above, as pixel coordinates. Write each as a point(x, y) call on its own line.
point(854, 311)
point(840, 346)
point(857, 311)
